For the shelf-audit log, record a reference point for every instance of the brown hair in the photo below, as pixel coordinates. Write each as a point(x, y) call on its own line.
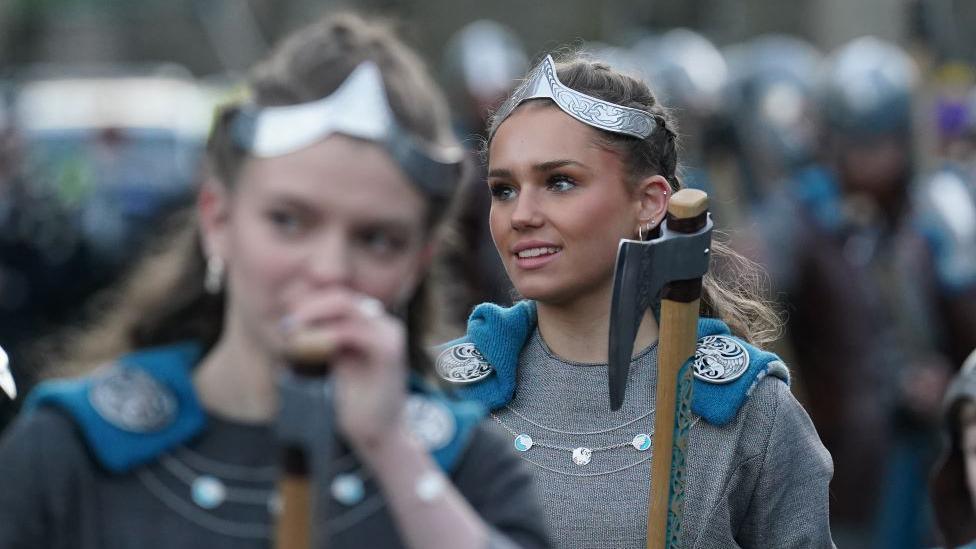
point(164, 300)
point(733, 288)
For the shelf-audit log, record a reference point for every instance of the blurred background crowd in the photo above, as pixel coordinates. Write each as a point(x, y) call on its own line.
point(837, 140)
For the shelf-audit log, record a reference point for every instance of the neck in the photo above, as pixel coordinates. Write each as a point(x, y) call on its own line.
point(579, 331)
point(236, 379)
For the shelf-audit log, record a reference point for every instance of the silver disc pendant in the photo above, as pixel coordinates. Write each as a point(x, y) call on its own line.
point(275, 504)
point(581, 456)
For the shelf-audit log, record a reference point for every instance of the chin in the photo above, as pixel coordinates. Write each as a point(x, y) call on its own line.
point(547, 292)
point(561, 290)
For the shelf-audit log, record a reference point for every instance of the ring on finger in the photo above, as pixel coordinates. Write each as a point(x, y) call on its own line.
point(371, 307)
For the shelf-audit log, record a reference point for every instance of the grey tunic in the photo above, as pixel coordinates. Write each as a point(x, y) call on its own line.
point(759, 482)
point(54, 495)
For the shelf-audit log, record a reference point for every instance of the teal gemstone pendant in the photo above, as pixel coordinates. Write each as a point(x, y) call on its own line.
point(347, 489)
point(208, 492)
point(523, 442)
point(641, 442)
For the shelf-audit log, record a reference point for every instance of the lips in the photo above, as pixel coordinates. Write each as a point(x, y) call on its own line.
point(534, 255)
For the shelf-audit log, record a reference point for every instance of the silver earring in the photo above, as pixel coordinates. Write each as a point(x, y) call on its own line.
point(641, 229)
point(214, 281)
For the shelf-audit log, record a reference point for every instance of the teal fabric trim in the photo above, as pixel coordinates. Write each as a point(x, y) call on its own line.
point(500, 333)
point(119, 450)
point(116, 449)
point(467, 416)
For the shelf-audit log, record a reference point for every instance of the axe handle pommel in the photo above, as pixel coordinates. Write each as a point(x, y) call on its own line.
point(688, 203)
point(678, 337)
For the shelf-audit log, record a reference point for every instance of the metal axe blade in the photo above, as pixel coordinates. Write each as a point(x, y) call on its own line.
point(642, 271)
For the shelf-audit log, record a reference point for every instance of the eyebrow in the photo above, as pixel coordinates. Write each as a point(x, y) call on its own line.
point(376, 221)
point(542, 167)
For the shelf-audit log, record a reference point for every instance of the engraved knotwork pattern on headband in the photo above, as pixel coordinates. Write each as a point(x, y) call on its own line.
point(596, 112)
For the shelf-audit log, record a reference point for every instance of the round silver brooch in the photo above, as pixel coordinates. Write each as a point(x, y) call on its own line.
point(133, 400)
point(720, 359)
point(463, 363)
point(430, 421)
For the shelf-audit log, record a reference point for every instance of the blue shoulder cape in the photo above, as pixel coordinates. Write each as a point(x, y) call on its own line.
point(499, 334)
point(144, 404)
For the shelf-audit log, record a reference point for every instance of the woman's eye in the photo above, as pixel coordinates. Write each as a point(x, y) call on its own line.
point(502, 192)
point(560, 183)
point(285, 222)
point(383, 242)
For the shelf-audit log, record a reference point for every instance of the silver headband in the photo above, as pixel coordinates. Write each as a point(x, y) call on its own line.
point(543, 82)
point(358, 108)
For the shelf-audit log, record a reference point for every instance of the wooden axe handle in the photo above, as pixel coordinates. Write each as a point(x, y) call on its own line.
point(677, 340)
point(293, 529)
point(307, 355)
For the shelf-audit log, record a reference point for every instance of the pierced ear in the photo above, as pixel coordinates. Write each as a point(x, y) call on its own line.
point(653, 195)
point(213, 214)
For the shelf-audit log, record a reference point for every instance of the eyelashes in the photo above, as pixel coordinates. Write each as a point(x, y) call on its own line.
point(557, 183)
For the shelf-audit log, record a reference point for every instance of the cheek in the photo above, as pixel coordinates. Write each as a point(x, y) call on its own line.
point(261, 264)
point(498, 222)
point(393, 281)
point(599, 221)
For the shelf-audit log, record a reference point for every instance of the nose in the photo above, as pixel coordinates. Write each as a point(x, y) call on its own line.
point(527, 213)
point(329, 260)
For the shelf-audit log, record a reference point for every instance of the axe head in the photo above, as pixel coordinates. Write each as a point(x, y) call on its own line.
point(642, 271)
point(305, 416)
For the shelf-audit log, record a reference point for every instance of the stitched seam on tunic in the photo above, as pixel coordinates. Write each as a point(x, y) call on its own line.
point(765, 454)
point(724, 496)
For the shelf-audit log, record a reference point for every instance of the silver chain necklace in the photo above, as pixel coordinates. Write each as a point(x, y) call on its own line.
point(209, 491)
point(578, 433)
point(583, 475)
point(231, 471)
point(193, 513)
point(581, 455)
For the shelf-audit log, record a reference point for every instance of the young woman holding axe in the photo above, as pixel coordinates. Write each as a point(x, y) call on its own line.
point(315, 233)
point(580, 157)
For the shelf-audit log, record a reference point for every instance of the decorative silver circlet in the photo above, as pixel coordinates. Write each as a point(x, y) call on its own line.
point(720, 359)
point(133, 400)
point(430, 422)
point(543, 82)
point(463, 363)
